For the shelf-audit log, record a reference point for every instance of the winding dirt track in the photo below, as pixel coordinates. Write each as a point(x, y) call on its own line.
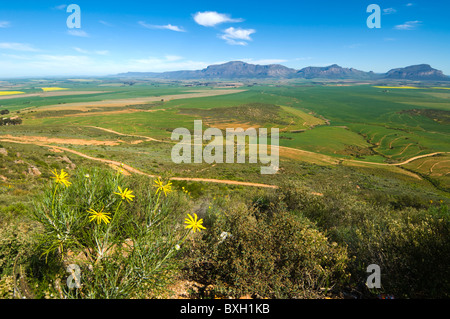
point(130, 169)
point(403, 163)
point(136, 171)
point(122, 134)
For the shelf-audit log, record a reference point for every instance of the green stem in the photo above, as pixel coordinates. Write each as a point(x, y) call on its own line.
point(171, 250)
point(106, 237)
point(53, 200)
point(153, 214)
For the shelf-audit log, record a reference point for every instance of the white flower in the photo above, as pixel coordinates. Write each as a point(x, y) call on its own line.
point(224, 235)
point(177, 247)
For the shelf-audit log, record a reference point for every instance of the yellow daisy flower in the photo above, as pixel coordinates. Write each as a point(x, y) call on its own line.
point(166, 189)
point(193, 223)
point(61, 178)
point(99, 216)
point(125, 194)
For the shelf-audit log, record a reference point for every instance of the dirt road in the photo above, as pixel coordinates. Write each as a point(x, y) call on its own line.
point(42, 141)
point(133, 170)
point(402, 163)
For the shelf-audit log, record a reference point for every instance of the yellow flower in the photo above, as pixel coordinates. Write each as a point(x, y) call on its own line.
point(193, 223)
point(99, 216)
point(125, 194)
point(163, 188)
point(61, 178)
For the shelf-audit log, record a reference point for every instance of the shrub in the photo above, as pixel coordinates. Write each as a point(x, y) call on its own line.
point(266, 253)
point(123, 245)
point(410, 244)
point(412, 250)
point(15, 244)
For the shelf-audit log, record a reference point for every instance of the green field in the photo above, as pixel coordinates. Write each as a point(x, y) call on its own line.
point(363, 171)
point(363, 123)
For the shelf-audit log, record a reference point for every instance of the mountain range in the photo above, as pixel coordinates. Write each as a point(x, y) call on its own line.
point(242, 70)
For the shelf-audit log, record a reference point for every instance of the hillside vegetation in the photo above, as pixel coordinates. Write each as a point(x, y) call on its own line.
point(88, 180)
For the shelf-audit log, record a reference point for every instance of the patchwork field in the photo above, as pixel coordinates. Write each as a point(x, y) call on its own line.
point(363, 171)
point(361, 125)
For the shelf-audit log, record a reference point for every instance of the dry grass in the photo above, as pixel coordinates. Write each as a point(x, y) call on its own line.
point(55, 140)
point(86, 106)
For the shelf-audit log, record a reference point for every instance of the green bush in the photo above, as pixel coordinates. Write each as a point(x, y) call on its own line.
point(412, 249)
point(267, 253)
point(409, 244)
point(15, 244)
point(127, 252)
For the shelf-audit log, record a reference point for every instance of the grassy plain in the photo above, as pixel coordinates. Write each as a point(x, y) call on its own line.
point(364, 173)
point(362, 123)
point(350, 155)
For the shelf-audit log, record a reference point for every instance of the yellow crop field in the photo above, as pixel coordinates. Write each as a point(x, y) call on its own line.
point(53, 89)
point(397, 87)
point(10, 92)
point(411, 87)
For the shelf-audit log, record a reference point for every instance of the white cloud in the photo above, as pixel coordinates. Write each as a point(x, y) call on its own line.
point(167, 27)
point(146, 25)
point(213, 18)
point(5, 24)
point(81, 50)
point(99, 52)
point(353, 46)
point(59, 62)
point(389, 11)
point(173, 57)
point(237, 36)
point(78, 33)
point(105, 23)
point(16, 57)
point(409, 25)
point(17, 47)
point(60, 7)
point(409, 4)
point(264, 61)
point(102, 52)
point(303, 58)
point(69, 59)
point(168, 63)
point(78, 64)
point(170, 27)
point(57, 65)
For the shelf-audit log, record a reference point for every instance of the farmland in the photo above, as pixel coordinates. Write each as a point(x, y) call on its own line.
point(360, 123)
point(349, 155)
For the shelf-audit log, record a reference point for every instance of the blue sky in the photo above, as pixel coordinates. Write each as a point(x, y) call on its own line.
point(121, 36)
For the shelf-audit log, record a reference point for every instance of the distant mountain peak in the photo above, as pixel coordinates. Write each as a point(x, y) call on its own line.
point(333, 71)
point(417, 72)
point(239, 69)
point(242, 70)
